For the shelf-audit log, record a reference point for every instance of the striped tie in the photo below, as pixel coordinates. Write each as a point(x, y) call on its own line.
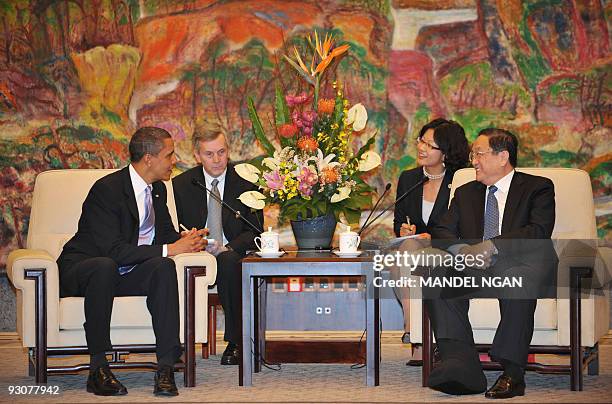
point(491, 219)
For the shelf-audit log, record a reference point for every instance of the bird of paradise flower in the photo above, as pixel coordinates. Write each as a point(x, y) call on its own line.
point(324, 53)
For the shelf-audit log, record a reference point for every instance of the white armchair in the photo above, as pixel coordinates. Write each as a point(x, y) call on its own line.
point(56, 208)
point(572, 323)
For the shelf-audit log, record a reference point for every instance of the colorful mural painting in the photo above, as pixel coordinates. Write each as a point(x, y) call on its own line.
point(78, 76)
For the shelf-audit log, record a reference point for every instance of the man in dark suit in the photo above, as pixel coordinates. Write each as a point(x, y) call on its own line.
point(232, 236)
point(124, 237)
point(506, 218)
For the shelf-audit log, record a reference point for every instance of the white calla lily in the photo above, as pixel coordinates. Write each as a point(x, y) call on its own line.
point(271, 163)
point(248, 171)
point(358, 116)
point(341, 194)
point(253, 199)
point(369, 160)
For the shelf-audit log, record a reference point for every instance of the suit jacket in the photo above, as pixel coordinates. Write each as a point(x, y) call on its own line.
point(109, 224)
point(527, 225)
point(412, 205)
point(192, 206)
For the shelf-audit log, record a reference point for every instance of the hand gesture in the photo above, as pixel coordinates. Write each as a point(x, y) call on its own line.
point(190, 241)
point(407, 230)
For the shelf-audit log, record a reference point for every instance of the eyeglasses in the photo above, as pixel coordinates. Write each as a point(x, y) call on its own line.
point(428, 145)
point(478, 154)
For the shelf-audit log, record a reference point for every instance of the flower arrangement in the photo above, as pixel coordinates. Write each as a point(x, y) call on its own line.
point(316, 171)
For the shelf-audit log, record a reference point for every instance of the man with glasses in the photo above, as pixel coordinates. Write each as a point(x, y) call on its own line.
point(505, 217)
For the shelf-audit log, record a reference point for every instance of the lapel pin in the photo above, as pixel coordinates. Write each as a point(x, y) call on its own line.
point(157, 195)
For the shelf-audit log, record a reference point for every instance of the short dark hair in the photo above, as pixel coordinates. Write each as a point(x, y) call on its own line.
point(147, 140)
point(451, 140)
point(500, 140)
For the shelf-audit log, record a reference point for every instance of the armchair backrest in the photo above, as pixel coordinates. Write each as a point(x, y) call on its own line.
point(57, 202)
point(575, 210)
point(56, 206)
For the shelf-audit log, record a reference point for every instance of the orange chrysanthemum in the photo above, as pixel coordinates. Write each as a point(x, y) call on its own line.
point(287, 130)
point(329, 175)
point(307, 144)
point(326, 106)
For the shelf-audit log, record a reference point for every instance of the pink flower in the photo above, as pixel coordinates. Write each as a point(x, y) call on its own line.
point(274, 180)
point(309, 116)
point(305, 190)
point(293, 100)
point(307, 178)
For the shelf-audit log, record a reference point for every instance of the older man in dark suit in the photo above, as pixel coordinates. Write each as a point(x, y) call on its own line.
point(232, 235)
point(507, 217)
point(120, 249)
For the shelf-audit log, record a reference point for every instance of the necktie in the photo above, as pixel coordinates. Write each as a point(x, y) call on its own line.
point(491, 219)
point(148, 224)
point(146, 229)
point(215, 226)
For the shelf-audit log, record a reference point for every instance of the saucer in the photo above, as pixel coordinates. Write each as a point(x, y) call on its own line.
point(274, 254)
point(348, 254)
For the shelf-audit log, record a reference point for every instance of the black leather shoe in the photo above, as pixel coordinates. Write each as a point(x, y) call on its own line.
point(164, 382)
point(102, 382)
point(230, 355)
point(506, 387)
point(453, 376)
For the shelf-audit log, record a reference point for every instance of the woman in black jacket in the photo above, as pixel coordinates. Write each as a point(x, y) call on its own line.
point(442, 149)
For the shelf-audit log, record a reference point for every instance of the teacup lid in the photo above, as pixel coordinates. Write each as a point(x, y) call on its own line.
point(269, 231)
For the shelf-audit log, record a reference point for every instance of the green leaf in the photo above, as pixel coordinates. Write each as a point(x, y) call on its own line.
point(365, 147)
point(258, 128)
point(280, 107)
point(338, 111)
point(352, 216)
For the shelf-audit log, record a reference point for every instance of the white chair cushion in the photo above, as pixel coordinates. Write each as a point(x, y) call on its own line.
point(484, 314)
point(128, 312)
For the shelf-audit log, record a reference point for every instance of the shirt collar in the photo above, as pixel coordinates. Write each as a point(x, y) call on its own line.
point(503, 184)
point(138, 183)
point(209, 178)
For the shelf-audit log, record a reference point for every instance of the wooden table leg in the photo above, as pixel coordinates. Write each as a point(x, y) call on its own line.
point(427, 345)
point(245, 369)
point(191, 273)
point(39, 276)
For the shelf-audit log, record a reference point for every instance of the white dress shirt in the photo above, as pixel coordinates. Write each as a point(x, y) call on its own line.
point(426, 210)
point(221, 186)
point(139, 186)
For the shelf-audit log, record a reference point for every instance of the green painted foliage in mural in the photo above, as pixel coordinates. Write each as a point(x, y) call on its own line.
point(561, 158)
point(533, 65)
point(399, 165)
point(474, 120)
point(476, 81)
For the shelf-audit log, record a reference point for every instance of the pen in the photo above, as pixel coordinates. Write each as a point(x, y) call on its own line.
point(408, 220)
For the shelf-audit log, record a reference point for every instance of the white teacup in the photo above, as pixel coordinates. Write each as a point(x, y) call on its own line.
point(349, 241)
point(268, 242)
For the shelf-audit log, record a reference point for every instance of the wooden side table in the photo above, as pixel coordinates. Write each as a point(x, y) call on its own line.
point(293, 264)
